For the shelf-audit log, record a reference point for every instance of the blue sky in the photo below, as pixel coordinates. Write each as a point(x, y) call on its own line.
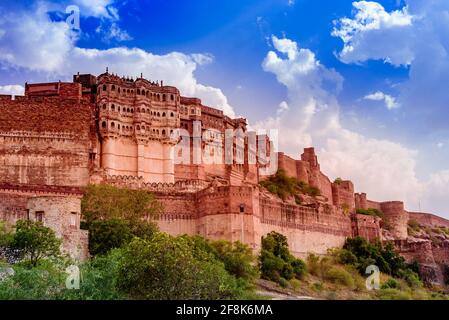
point(368, 92)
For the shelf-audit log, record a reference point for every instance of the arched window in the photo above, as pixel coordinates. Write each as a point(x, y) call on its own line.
point(118, 126)
point(163, 132)
point(127, 110)
point(158, 96)
point(112, 125)
point(113, 107)
point(138, 92)
point(138, 110)
point(132, 110)
point(103, 124)
point(118, 109)
point(172, 114)
point(105, 88)
point(158, 114)
point(164, 97)
point(172, 97)
point(163, 114)
point(104, 107)
point(138, 127)
point(113, 88)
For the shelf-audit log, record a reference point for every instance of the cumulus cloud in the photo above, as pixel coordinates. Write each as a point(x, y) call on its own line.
point(364, 35)
point(390, 102)
point(97, 8)
point(415, 36)
point(384, 169)
point(34, 42)
point(15, 90)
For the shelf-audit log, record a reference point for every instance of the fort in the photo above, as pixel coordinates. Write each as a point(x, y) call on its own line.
point(59, 137)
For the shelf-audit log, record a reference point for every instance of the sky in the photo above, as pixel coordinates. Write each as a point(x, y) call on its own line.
point(363, 82)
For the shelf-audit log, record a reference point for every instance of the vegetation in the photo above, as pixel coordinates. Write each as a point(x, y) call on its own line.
point(284, 186)
point(34, 241)
point(276, 261)
point(114, 216)
point(105, 202)
point(371, 212)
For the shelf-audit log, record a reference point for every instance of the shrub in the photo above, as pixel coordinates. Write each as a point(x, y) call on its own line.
point(283, 282)
point(276, 261)
point(371, 212)
point(393, 294)
point(284, 186)
point(99, 279)
point(299, 268)
point(166, 268)
point(105, 202)
point(344, 256)
point(340, 276)
point(35, 242)
point(414, 225)
point(313, 264)
point(43, 281)
point(390, 284)
point(107, 235)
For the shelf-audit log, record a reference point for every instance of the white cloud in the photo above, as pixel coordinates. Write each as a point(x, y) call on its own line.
point(386, 170)
point(113, 32)
point(15, 90)
point(390, 102)
point(31, 40)
point(97, 8)
point(34, 42)
point(283, 106)
point(440, 145)
point(364, 36)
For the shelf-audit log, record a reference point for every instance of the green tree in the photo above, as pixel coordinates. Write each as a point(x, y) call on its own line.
point(105, 235)
point(276, 261)
point(6, 235)
point(105, 202)
point(35, 241)
point(166, 267)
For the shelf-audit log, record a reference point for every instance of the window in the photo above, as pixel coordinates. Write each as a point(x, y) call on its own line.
point(73, 219)
point(113, 88)
point(103, 124)
point(39, 216)
point(105, 88)
point(172, 114)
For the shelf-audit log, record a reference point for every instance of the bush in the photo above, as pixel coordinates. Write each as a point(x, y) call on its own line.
point(98, 279)
point(393, 294)
point(371, 212)
point(35, 242)
point(284, 186)
point(340, 276)
point(283, 282)
point(344, 256)
point(43, 281)
point(105, 202)
point(313, 264)
point(390, 284)
point(107, 235)
point(166, 268)
point(276, 261)
point(414, 225)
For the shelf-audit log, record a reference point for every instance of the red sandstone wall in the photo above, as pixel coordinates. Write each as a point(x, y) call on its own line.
point(428, 219)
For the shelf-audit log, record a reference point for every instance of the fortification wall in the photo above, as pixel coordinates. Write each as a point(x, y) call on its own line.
point(396, 218)
point(307, 229)
point(428, 219)
point(368, 227)
point(45, 141)
point(343, 195)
